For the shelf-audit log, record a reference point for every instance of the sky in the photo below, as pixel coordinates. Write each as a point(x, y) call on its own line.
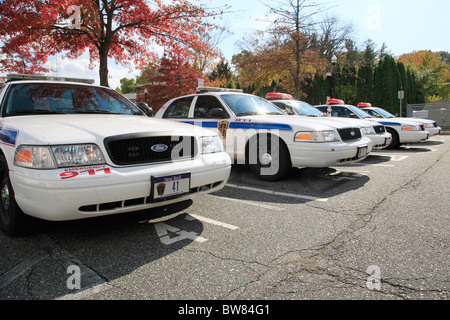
point(403, 25)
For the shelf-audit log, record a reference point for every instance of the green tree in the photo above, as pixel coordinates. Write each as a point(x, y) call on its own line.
point(387, 83)
point(221, 75)
point(127, 86)
point(364, 84)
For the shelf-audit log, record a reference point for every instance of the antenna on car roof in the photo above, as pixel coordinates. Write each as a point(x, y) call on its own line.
point(18, 77)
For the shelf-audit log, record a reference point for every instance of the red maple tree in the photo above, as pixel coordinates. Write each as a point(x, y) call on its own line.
point(124, 30)
point(172, 77)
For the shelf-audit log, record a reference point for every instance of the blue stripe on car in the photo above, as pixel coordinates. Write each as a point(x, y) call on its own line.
point(244, 125)
point(389, 123)
point(8, 136)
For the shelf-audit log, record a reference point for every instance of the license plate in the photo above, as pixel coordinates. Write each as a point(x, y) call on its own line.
point(170, 186)
point(362, 152)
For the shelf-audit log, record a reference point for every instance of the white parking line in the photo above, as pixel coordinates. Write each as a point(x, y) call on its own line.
point(276, 193)
point(369, 165)
point(191, 217)
point(250, 203)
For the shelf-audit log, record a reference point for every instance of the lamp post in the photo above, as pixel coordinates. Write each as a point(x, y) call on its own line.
point(333, 63)
point(145, 92)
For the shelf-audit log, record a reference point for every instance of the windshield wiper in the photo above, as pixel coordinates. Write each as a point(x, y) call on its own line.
point(38, 111)
point(247, 114)
point(96, 111)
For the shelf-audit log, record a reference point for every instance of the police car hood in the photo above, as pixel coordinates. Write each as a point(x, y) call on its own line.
point(418, 120)
point(356, 122)
point(396, 121)
point(83, 128)
point(299, 122)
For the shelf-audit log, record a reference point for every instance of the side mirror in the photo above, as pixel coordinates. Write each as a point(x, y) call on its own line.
point(146, 109)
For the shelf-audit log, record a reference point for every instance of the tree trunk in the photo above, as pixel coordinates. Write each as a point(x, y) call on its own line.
point(103, 53)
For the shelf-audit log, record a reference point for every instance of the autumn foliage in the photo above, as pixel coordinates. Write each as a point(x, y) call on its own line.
point(124, 30)
point(171, 77)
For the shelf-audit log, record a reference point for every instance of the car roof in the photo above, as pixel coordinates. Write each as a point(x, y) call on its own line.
point(13, 77)
point(213, 93)
point(54, 82)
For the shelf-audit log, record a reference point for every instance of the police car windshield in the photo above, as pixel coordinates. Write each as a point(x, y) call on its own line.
point(305, 109)
point(384, 113)
point(55, 98)
point(247, 105)
point(359, 112)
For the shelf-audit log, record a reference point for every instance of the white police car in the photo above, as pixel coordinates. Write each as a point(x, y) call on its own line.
point(402, 131)
point(430, 125)
point(374, 131)
point(71, 150)
point(258, 133)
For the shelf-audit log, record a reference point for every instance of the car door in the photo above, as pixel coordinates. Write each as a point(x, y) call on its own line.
point(209, 112)
point(179, 109)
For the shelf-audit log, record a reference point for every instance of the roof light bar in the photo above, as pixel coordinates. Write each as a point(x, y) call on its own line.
point(214, 89)
point(278, 95)
point(17, 76)
point(364, 104)
point(335, 101)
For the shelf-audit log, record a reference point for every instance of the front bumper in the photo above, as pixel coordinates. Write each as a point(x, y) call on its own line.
point(105, 190)
point(413, 136)
point(322, 155)
point(380, 141)
point(434, 131)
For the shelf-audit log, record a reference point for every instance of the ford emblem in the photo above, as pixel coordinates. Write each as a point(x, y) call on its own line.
point(159, 147)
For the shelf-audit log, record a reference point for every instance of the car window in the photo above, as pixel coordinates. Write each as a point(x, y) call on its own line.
point(285, 107)
point(179, 108)
point(358, 113)
point(209, 107)
point(51, 98)
point(385, 114)
point(372, 113)
point(246, 105)
point(322, 109)
point(340, 112)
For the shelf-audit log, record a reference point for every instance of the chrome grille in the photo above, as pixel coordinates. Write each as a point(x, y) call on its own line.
point(130, 149)
point(379, 129)
point(350, 134)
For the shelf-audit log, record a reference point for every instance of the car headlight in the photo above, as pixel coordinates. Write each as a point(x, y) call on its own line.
point(36, 157)
point(317, 136)
point(211, 144)
point(77, 155)
point(429, 125)
point(45, 157)
point(368, 130)
point(411, 128)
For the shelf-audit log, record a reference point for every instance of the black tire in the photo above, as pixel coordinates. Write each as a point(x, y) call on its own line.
point(395, 142)
point(269, 158)
point(12, 219)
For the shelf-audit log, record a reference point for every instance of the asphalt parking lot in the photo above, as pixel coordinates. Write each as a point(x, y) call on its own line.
point(378, 229)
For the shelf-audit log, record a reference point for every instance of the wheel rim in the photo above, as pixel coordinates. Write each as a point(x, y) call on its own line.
point(6, 201)
point(265, 159)
point(4, 194)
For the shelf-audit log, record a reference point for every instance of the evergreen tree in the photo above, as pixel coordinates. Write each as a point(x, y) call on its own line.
point(387, 84)
point(364, 84)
